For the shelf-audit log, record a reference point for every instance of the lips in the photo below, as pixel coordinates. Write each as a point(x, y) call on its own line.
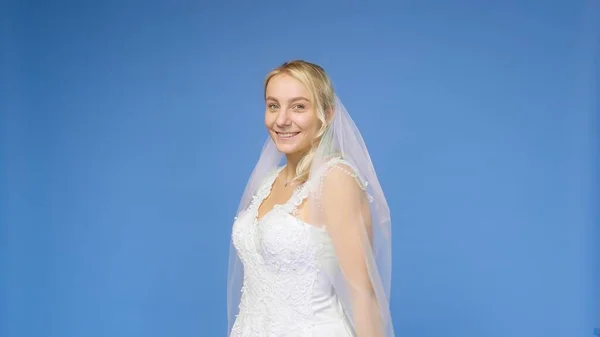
point(287, 135)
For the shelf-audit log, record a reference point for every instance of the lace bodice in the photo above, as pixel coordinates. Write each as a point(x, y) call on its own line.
point(285, 289)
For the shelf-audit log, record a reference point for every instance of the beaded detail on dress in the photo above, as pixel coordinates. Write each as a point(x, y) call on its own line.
point(285, 290)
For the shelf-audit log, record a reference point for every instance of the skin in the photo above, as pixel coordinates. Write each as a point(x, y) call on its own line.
point(288, 109)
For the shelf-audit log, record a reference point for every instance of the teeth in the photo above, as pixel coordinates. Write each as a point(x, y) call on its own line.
point(288, 134)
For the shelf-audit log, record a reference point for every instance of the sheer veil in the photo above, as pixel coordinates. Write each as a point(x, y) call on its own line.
point(347, 200)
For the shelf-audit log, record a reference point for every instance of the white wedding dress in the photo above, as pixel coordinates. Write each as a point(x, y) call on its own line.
point(285, 289)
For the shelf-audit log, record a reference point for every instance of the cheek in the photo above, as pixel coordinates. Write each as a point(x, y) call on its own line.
point(269, 120)
point(308, 123)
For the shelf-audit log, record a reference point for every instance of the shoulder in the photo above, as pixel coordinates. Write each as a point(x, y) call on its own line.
point(338, 172)
point(339, 181)
point(341, 189)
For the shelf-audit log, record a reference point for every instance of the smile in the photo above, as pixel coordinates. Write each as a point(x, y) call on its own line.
point(287, 135)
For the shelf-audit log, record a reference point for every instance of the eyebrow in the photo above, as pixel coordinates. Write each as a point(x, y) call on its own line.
point(293, 99)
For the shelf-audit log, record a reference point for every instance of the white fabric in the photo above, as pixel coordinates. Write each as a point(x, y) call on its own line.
point(286, 291)
point(329, 275)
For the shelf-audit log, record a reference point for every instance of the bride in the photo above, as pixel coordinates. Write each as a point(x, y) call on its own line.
point(310, 248)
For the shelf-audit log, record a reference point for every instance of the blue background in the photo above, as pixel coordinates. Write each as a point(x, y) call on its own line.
point(129, 128)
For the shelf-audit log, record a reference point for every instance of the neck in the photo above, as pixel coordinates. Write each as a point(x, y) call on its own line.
point(292, 161)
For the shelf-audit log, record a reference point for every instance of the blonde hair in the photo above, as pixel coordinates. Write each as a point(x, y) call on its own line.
point(322, 96)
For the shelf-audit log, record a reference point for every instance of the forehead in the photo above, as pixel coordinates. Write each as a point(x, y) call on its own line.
point(283, 86)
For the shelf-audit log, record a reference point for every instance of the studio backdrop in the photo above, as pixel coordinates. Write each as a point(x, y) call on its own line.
point(128, 131)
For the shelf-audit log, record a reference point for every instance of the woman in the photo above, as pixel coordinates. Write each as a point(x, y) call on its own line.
point(311, 245)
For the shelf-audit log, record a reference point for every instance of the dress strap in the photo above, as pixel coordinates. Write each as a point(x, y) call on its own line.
point(298, 195)
point(265, 188)
point(301, 192)
point(345, 166)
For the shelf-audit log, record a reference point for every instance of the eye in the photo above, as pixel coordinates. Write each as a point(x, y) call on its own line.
point(299, 107)
point(273, 106)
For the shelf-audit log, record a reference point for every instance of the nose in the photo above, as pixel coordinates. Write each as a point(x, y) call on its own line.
point(283, 118)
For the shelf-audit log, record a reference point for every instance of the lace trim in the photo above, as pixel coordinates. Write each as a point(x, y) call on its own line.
point(290, 206)
point(263, 192)
point(301, 192)
point(298, 195)
point(341, 164)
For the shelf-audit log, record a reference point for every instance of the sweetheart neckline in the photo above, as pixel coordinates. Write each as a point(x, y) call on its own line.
point(277, 207)
point(267, 193)
point(301, 222)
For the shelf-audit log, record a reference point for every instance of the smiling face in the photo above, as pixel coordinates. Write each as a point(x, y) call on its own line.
point(290, 116)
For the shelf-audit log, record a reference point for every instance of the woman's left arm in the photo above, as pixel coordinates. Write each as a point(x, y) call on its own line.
point(346, 213)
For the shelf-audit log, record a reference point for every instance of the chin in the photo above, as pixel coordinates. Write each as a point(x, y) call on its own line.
point(287, 148)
